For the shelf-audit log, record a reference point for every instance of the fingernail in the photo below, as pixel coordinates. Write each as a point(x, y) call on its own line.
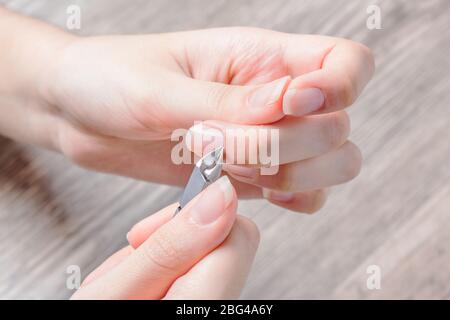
point(202, 138)
point(268, 94)
point(241, 171)
point(278, 195)
point(298, 102)
point(213, 202)
point(128, 237)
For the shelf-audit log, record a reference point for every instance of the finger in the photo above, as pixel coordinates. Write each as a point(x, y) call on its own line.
point(223, 272)
point(140, 232)
point(144, 160)
point(172, 250)
point(196, 100)
point(132, 158)
point(136, 236)
point(338, 68)
point(108, 264)
point(304, 202)
point(344, 72)
point(288, 140)
point(336, 167)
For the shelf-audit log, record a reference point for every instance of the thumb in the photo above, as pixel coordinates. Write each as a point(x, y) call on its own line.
point(222, 273)
point(150, 270)
point(196, 100)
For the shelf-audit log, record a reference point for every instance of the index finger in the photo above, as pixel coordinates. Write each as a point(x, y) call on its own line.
point(341, 72)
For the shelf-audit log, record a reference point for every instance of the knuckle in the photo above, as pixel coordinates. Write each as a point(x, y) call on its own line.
point(348, 90)
point(76, 146)
point(337, 129)
point(352, 161)
point(350, 86)
point(283, 180)
point(318, 200)
point(367, 57)
point(249, 33)
point(244, 29)
point(358, 48)
point(162, 251)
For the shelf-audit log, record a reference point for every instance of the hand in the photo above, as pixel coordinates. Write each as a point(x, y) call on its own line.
point(110, 104)
point(205, 252)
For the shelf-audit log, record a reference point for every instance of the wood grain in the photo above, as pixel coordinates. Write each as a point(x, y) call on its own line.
point(395, 214)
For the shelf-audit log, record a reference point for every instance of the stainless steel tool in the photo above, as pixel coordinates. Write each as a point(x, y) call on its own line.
point(206, 171)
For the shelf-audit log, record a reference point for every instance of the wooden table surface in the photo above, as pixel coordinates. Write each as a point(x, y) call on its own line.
point(396, 214)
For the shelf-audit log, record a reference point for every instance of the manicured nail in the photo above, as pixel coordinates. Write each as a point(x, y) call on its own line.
point(202, 138)
point(278, 195)
point(213, 202)
point(241, 171)
point(268, 94)
point(298, 102)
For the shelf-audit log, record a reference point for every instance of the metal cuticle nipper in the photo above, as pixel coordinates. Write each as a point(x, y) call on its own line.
point(207, 170)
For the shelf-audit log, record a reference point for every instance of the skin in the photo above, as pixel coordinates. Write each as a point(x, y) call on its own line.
point(110, 104)
point(180, 257)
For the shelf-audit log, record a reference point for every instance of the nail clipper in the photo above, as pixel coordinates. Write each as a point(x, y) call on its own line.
point(206, 171)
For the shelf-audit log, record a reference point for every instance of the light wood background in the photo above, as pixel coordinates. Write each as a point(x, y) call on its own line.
point(396, 214)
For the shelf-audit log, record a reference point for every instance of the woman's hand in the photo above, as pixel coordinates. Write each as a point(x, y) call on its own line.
point(110, 104)
point(205, 252)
